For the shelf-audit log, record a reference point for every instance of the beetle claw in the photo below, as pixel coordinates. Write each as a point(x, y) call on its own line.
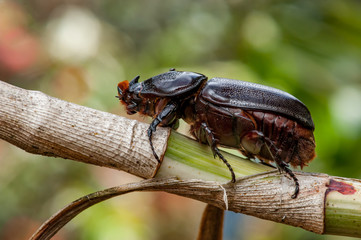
point(297, 189)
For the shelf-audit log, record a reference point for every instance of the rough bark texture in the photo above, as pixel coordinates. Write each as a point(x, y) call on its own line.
point(268, 196)
point(48, 126)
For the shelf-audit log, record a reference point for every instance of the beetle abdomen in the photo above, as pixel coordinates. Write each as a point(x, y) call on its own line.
point(295, 143)
point(251, 96)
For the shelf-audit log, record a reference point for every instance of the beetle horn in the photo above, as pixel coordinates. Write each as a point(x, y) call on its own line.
point(134, 81)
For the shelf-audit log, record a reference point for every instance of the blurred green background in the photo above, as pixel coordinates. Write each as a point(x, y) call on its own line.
point(78, 50)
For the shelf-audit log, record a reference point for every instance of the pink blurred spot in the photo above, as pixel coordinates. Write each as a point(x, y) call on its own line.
point(18, 49)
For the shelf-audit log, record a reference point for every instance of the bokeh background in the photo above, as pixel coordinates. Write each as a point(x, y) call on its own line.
point(78, 50)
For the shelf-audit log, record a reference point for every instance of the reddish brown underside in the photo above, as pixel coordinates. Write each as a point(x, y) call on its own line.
point(296, 142)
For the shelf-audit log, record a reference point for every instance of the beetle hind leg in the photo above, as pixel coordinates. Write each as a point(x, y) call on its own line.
point(213, 144)
point(283, 167)
point(255, 143)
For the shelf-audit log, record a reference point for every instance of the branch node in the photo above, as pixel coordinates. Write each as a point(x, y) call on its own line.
point(225, 198)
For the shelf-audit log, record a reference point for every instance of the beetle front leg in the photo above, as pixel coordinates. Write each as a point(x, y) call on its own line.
point(213, 144)
point(167, 112)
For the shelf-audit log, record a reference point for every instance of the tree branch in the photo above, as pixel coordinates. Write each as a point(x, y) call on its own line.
point(258, 195)
point(44, 125)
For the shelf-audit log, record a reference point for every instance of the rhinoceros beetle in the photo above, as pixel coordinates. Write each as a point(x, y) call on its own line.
point(260, 121)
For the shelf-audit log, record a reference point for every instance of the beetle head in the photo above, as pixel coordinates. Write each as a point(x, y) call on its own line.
point(128, 93)
point(122, 88)
point(125, 87)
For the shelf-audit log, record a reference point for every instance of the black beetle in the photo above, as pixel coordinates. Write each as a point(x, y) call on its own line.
point(260, 121)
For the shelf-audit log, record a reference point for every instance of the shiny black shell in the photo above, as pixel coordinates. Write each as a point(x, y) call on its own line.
point(172, 84)
point(251, 96)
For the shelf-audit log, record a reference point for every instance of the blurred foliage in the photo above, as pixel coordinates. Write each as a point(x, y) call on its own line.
point(78, 50)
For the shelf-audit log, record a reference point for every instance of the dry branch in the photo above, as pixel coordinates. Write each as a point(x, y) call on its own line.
point(257, 195)
point(48, 126)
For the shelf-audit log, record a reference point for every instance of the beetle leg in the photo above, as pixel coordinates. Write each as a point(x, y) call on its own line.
point(283, 167)
point(213, 144)
point(254, 142)
point(164, 114)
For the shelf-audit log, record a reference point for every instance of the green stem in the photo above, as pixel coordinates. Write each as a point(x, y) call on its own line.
point(343, 208)
point(186, 159)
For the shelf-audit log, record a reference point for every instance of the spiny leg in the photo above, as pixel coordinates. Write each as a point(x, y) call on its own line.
point(166, 112)
point(255, 141)
point(282, 166)
point(227, 164)
point(152, 129)
point(213, 144)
